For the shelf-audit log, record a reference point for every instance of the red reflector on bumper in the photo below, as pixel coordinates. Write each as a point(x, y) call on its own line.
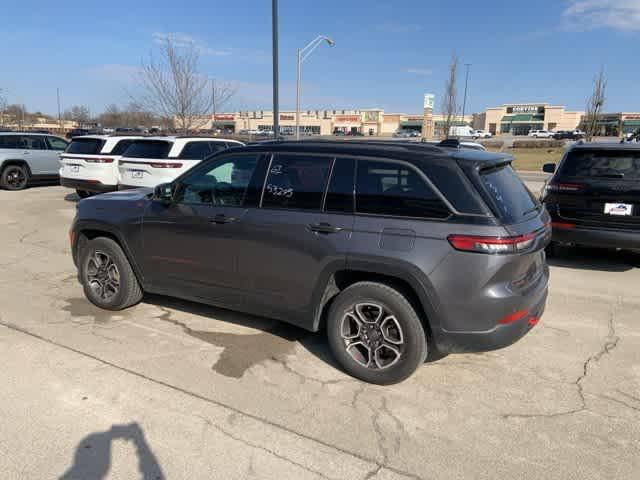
point(533, 321)
point(562, 225)
point(514, 317)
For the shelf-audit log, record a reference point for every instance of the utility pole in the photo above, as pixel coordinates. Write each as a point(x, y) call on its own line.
point(466, 84)
point(274, 34)
point(59, 114)
point(213, 104)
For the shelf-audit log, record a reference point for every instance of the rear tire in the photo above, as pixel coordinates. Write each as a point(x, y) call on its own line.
point(83, 193)
point(106, 275)
point(375, 333)
point(14, 177)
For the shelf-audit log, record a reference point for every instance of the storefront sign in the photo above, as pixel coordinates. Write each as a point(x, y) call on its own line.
point(525, 109)
point(429, 100)
point(415, 119)
point(370, 117)
point(347, 118)
point(287, 117)
point(224, 117)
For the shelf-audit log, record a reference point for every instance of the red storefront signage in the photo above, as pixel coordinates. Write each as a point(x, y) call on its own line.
point(224, 117)
point(347, 118)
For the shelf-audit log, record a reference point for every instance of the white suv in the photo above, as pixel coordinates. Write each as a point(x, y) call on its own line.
point(90, 163)
point(540, 134)
point(154, 160)
point(481, 134)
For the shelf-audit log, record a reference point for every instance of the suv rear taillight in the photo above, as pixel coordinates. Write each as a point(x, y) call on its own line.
point(99, 160)
point(165, 165)
point(557, 187)
point(492, 245)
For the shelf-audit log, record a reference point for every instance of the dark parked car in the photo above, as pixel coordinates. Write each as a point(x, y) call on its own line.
point(568, 135)
point(395, 250)
point(593, 196)
point(78, 132)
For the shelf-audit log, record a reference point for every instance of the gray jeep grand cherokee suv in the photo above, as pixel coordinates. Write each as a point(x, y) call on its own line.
point(396, 250)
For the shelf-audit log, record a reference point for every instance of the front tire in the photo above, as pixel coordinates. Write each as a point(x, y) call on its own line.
point(106, 275)
point(14, 177)
point(375, 333)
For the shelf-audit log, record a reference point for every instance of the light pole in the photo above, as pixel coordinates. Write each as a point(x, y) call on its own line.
point(303, 53)
point(274, 39)
point(466, 84)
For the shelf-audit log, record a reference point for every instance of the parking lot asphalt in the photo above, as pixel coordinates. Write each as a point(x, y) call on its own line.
point(175, 390)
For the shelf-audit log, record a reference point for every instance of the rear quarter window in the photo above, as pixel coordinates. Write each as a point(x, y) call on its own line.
point(507, 194)
point(602, 163)
point(148, 149)
point(85, 146)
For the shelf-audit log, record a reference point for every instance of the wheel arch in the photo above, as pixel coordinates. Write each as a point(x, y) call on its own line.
point(86, 231)
point(404, 281)
point(15, 161)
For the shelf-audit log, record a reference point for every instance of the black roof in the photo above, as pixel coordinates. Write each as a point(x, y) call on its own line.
point(379, 148)
point(605, 146)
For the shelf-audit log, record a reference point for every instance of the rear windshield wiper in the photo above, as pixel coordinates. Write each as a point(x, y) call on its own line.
point(531, 210)
point(610, 175)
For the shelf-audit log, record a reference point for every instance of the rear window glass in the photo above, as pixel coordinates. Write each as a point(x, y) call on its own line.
point(602, 163)
point(120, 147)
point(507, 193)
point(148, 149)
point(85, 146)
point(450, 180)
point(200, 149)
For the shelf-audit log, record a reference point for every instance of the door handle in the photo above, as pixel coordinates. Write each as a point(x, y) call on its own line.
point(222, 218)
point(324, 228)
point(26, 152)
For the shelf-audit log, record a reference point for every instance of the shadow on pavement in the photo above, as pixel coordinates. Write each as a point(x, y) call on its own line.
point(275, 341)
point(92, 459)
point(584, 258)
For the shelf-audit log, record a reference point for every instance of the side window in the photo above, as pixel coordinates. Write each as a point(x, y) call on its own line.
point(225, 182)
point(56, 143)
point(394, 189)
point(296, 181)
point(341, 186)
point(120, 147)
point(215, 147)
point(10, 141)
point(195, 151)
point(32, 142)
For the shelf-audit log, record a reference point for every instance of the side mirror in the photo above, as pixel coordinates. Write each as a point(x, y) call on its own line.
point(549, 168)
point(163, 193)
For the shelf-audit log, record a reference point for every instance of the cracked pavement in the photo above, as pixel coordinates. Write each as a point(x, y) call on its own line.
point(171, 389)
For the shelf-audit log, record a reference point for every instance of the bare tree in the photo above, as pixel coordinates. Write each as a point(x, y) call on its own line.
point(450, 99)
point(221, 95)
point(3, 105)
point(79, 114)
point(595, 104)
point(172, 87)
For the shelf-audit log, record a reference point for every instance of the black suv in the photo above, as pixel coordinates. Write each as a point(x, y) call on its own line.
point(393, 249)
point(593, 196)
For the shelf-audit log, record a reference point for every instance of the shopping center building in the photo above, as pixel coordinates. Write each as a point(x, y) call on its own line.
point(327, 122)
point(508, 119)
point(521, 118)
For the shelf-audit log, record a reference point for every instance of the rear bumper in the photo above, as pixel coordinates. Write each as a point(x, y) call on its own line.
point(598, 237)
point(89, 186)
point(499, 337)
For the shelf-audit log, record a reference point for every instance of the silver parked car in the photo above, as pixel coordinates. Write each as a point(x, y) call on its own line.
point(27, 158)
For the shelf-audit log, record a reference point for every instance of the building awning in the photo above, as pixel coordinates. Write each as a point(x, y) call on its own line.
point(523, 118)
point(223, 123)
point(631, 123)
point(411, 123)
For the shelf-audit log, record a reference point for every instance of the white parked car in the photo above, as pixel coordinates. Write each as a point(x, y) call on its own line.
point(540, 134)
point(481, 134)
point(154, 160)
point(461, 131)
point(89, 164)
